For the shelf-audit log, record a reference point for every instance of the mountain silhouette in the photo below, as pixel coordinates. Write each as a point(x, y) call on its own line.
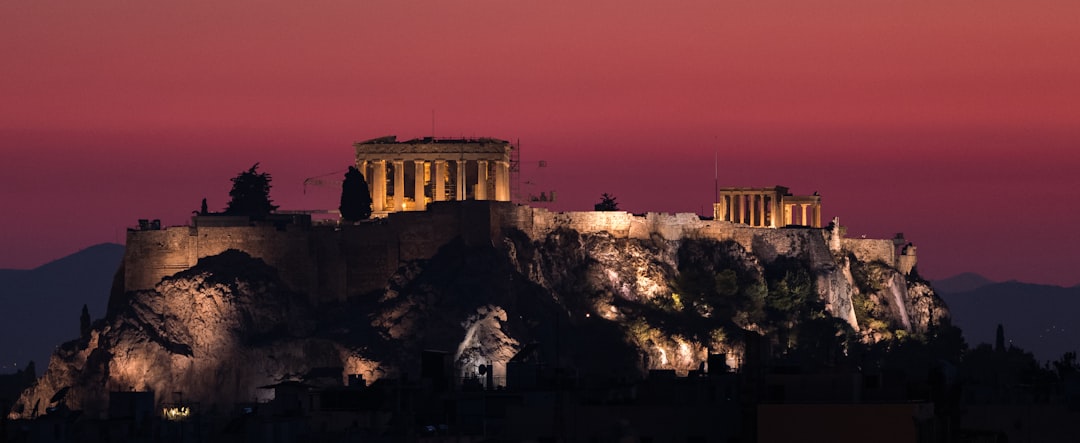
point(1038, 318)
point(40, 307)
point(967, 281)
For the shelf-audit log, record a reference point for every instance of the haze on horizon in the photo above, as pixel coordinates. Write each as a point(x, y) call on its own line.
point(954, 122)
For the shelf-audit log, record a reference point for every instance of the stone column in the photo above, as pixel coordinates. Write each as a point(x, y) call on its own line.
point(418, 185)
point(720, 208)
point(378, 185)
point(802, 220)
point(774, 211)
point(787, 214)
point(736, 217)
point(817, 215)
point(502, 181)
point(362, 166)
point(438, 180)
point(760, 210)
point(742, 208)
point(460, 179)
point(399, 185)
point(481, 179)
point(753, 210)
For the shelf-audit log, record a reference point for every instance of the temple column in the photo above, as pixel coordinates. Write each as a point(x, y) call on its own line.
point(438, 179)
point(742, 208)
point(502, 181)
point(362, 167)
point(378, 185)
point(802, 220)
point(752, 200)
point(787, 214)
point(399, 185)
point(481, 180)
point(817, 216)
point(418, 185)
point(760, 210)
point(736, 208)
point(727, 208)
point(718, 212)
point(460, 180)
point(774, 209)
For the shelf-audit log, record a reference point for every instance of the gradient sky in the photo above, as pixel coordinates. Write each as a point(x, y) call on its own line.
point(955, 122)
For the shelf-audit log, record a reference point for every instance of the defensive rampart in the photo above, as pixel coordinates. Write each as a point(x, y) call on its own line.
point(335, 262)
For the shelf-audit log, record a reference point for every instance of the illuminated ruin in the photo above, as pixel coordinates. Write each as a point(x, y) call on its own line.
point(406, 176)
point(767, 207)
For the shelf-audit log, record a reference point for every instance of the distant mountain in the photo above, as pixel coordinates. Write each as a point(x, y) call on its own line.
point(39, 308)
point(1042, 319)
point(968, 281)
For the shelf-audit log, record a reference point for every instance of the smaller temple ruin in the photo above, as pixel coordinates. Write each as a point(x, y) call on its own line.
point(767, 207)
point(407, 176)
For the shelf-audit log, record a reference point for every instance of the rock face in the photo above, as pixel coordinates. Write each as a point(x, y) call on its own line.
point(594, 303)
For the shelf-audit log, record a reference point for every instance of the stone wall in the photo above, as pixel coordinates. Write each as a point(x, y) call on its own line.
point(336, 262)
point(868, 249)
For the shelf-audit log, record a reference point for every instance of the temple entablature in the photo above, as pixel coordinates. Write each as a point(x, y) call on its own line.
point(407, 176)
point(767, 207)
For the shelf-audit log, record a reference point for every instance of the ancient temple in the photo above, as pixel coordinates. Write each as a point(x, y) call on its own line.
point(767, 207)
point(408, 175)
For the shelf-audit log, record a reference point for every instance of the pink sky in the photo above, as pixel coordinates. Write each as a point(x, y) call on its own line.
point(957, 122)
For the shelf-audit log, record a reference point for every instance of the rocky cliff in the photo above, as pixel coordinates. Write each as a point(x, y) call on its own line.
point(596, 304)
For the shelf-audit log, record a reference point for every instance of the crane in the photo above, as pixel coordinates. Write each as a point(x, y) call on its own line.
point(329, 179)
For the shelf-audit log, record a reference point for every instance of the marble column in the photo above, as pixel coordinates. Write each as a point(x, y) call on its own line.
point(378, 185)
point(787, 214)
point(743, 216)
point(760, 211)
point(399, 185)
point(753, 209)
point(802, 220)
point(502, 181)
point(774, 211)
point(817, 215)
point(362, 166)
point(481, 180)
point(418, 185)
point(736, 206)
point(438, 180)
point(460, 180)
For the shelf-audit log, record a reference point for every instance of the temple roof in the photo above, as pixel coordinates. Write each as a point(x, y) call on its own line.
point(390, 145)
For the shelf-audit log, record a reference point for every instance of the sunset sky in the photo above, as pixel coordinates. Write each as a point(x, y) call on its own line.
point(955, 122)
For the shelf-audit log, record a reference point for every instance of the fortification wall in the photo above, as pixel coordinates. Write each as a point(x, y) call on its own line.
point(335, 262)
point(870, 249)
point(156, 254)
point(767, 244)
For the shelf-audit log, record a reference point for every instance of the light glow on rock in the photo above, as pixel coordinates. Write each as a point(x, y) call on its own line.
point(485, 343)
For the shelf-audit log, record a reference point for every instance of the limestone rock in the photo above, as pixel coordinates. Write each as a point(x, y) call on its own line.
point(594, 302)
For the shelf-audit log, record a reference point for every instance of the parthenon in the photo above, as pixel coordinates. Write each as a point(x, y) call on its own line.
point(406, 176)
point(767, 207)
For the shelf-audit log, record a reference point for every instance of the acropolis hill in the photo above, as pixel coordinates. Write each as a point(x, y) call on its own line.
point(463, 183)
point(231, 303)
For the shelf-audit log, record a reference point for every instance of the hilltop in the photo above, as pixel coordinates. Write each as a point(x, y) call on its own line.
point(602, 294)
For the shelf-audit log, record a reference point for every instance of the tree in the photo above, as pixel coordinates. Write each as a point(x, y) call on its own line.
point(250, 194)
point(355, 198)
point(607, 203)
point(999, 340)
point(84, 323)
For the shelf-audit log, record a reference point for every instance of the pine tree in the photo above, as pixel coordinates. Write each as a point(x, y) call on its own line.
point(999, 340)
point(250, 194)
point(84, 323)
point(607, 203)
point(355, 198)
